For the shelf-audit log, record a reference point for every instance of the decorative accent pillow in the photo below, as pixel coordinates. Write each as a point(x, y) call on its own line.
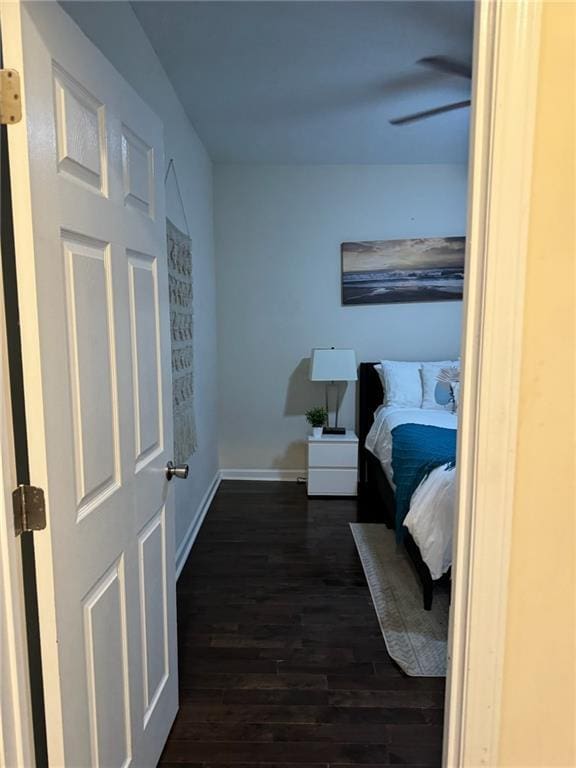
point(436, 394)
point(456, 395)
point(401, 383)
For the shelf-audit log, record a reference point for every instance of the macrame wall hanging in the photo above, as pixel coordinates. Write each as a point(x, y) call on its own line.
point(179, 246)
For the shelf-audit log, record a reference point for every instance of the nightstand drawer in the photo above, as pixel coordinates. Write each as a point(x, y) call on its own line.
point(332, 482)
point(332, 454)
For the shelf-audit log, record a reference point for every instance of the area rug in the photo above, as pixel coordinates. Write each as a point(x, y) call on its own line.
point(416, 639)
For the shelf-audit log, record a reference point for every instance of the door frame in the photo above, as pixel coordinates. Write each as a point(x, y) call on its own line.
point(506, 68)
point(506, 52)
point(16, 730)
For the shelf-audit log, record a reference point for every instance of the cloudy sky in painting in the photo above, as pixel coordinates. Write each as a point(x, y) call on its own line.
point(421, 253)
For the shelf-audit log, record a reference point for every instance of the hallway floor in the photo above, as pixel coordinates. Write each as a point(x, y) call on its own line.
point(282, 661)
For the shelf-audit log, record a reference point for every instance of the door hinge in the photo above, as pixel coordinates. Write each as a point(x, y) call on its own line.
point(29, 509)
point(10, 97)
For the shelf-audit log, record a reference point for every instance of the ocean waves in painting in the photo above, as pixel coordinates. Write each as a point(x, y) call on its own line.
point(390, 286)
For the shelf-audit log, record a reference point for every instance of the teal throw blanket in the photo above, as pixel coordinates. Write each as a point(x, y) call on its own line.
point(417, 449)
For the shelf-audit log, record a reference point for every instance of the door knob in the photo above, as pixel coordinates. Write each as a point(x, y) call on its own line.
point(176, 470)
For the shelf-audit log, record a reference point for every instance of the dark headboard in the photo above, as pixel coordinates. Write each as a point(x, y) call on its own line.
point(370, 396)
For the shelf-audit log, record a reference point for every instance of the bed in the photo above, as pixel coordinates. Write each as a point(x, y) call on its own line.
point(426, 530)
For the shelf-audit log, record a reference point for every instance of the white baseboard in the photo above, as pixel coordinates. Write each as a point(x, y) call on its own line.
point(186, 544)
point(262, 474)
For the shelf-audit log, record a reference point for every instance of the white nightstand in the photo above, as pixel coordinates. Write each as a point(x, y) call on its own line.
point(333, 465)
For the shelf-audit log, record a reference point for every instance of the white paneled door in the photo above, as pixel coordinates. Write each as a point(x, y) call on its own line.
point(88, 197)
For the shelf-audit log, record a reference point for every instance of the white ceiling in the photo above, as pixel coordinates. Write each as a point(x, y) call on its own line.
point(315, 82)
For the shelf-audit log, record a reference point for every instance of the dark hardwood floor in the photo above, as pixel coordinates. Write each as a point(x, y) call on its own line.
point(282, 661)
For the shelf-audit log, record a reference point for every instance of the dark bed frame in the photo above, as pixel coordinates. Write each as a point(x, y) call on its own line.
point(375, 490)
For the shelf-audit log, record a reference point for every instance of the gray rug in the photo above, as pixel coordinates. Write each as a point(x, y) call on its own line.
point(416, 639)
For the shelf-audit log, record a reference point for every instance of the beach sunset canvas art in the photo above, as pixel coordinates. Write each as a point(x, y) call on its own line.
point(399, 271)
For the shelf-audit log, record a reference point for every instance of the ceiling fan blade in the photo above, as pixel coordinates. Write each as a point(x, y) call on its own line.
point(429, 113)
point(447, 66)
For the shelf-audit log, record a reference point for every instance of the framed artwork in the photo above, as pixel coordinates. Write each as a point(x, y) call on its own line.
point(400, 271)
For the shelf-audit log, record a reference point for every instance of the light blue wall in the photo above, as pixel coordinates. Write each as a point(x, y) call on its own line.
point(278, 236)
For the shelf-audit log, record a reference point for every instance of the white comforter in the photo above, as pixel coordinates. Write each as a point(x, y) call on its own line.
point(431, 516)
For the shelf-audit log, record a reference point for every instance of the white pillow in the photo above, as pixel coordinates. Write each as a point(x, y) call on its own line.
point(436, 394)
point(401, 383)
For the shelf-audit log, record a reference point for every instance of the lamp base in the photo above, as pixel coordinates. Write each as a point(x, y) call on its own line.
point(333, 431)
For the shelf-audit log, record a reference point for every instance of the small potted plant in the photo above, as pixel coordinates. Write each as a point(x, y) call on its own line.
point(316, 417)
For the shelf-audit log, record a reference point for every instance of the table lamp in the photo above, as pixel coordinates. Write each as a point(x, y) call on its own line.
point(333, 365)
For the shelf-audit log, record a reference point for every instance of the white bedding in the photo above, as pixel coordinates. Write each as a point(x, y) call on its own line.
point(431, 516)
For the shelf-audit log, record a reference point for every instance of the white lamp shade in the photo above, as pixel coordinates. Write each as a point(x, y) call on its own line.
point(333, 365)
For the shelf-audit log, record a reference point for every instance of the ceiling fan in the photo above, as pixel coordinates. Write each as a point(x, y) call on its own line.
point(446, 66)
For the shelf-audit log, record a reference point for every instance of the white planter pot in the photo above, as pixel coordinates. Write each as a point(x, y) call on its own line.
point(317, 431)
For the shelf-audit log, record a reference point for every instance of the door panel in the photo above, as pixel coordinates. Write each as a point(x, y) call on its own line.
point(93, 293)
point(155, 648)
point(145, 357)
point(91, 332)
point(80, 132)
point(138, 172)
point(107, 673)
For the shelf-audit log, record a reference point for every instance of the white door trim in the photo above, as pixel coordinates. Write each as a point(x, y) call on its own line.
point(16, 738)
point(506, 57)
